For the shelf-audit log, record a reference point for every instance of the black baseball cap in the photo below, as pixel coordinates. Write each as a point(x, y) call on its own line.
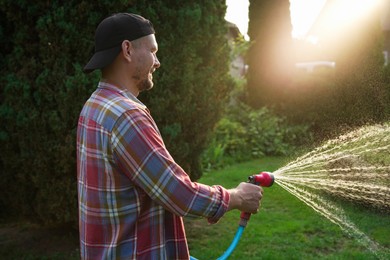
point(110, 34)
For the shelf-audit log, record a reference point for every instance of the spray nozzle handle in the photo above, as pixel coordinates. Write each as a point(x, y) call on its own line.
point(244, 218)
point(264, 179)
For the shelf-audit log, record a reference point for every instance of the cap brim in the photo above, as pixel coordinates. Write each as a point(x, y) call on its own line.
point(101, 59)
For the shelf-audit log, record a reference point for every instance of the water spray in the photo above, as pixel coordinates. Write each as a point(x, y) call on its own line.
point(365, 180)
point(264, 179)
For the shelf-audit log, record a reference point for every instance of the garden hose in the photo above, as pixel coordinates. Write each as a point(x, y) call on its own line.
point(264, 179)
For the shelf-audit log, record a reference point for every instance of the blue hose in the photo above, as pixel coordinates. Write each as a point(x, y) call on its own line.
point(232, 246)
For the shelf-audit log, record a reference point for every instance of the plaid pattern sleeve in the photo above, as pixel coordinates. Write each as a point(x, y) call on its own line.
point(131, 192)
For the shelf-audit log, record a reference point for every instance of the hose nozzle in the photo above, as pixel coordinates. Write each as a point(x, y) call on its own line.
point(264, 179)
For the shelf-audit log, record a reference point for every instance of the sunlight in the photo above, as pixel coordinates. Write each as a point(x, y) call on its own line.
point(348, 12)
point(237, 13)
point(303, 14)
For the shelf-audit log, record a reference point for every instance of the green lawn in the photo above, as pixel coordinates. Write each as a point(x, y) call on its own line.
point(285, 228)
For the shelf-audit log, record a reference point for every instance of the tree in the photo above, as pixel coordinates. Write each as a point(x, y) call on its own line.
point(361, 88)
point(356, 94)
point(269, 58)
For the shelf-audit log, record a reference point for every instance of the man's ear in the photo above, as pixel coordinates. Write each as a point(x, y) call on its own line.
point(127, 49)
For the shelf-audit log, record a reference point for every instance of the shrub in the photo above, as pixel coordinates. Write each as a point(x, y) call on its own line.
point(245, 133)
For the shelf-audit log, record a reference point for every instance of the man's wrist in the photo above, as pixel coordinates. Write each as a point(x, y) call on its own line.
point(233, 201)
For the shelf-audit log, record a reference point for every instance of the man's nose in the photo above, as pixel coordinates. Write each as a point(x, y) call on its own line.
point(156, 62)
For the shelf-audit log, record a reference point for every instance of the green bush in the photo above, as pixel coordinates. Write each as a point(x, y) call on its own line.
point(245, 133)
point(42, 91)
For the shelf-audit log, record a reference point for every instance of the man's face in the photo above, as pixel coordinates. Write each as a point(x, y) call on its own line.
point(146, 62)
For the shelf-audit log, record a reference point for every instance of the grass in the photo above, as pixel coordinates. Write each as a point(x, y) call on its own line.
point(285, 228)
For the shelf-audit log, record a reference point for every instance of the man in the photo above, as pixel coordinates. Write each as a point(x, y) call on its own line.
point(132, 194)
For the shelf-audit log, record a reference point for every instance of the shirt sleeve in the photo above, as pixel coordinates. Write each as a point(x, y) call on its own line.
point(141, 154)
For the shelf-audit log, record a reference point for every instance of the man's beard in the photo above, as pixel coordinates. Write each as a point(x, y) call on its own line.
point(145, 84)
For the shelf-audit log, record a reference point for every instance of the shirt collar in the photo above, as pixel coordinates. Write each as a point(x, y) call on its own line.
point(123, 92)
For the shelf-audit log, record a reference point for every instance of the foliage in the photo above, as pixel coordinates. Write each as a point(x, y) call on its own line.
point(386, 98)
point(240, 47)
point(245, 133)
point(43, 90)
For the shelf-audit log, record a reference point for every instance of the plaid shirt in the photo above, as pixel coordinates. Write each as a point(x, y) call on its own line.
point(132, 195)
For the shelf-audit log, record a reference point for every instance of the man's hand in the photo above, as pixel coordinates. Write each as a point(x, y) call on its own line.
point(245, 197)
